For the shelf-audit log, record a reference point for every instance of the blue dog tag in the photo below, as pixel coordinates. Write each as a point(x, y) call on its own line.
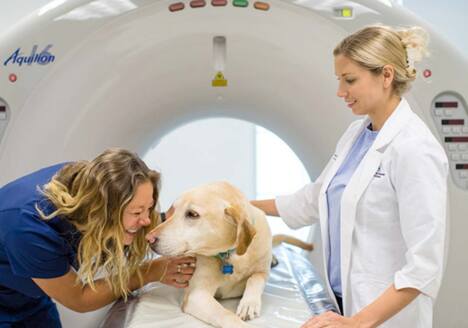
point(228, 269)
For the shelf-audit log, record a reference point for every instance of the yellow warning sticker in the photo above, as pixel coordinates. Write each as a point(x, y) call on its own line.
point(219, 80)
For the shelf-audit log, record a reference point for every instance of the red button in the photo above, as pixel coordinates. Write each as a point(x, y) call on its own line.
point(176, 6)
point(427, 73)
point(218, 3)
point(12, 77)
point(197, 3)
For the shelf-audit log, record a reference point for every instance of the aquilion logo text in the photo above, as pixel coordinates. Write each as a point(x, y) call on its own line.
point(42, 58)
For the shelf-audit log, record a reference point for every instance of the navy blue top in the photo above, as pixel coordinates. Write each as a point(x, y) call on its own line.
point(31, 247)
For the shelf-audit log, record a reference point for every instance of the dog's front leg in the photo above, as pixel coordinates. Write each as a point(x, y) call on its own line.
point(201, 304)
point(251, 303)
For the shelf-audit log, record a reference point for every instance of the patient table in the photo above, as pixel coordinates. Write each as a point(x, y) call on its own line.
point(294, 292)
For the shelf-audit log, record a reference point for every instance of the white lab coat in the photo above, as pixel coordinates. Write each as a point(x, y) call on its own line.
point(393, 216)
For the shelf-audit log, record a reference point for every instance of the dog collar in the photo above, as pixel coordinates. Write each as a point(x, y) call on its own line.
point(226, 268)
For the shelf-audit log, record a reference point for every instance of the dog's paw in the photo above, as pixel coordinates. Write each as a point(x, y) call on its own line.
point(248, 309)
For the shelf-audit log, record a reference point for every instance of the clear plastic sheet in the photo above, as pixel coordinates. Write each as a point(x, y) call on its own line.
point(293, 293)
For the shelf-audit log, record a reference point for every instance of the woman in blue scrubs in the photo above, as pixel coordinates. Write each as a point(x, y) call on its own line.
point(62, 224)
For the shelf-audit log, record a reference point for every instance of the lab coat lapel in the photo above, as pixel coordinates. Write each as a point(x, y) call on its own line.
point(359, 182)
point(351, 195)
point(339, 156)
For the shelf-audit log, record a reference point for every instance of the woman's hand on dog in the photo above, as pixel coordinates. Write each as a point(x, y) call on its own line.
point(174, 271)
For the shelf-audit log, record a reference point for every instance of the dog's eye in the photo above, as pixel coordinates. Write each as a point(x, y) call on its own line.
point(191, 214)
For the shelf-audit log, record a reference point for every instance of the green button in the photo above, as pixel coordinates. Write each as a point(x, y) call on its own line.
point(240, 3)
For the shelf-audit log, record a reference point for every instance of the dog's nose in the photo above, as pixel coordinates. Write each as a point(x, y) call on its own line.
point(151, 237)
point(154, 244)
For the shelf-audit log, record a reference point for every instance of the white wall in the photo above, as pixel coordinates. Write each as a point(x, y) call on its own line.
point(447, 17)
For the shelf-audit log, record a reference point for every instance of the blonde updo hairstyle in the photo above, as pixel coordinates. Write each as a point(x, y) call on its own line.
point(374, 47)
point(92, 196)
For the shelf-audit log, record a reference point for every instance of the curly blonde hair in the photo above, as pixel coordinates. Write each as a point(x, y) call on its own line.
point(92, 196)
point(373, 47)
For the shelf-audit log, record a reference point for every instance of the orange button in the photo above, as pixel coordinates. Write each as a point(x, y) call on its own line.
point(261, 5)
point(218, 3)
point(176, 6)
point(197, 3)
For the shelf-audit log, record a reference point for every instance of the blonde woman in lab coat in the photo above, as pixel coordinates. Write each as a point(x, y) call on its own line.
point(381, 199)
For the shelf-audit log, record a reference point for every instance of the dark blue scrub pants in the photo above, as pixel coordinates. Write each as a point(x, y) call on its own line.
point(20, 313)
point(45, 318)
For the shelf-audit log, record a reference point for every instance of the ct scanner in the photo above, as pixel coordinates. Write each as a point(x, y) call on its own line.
point(79, 76)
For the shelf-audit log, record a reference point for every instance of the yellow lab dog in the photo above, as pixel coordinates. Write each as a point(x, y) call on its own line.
point(232, 242)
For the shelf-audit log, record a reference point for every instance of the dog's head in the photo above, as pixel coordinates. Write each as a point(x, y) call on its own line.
point(206, 221)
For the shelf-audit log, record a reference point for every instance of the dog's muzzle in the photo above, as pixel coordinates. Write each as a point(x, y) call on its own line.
point(154, 245)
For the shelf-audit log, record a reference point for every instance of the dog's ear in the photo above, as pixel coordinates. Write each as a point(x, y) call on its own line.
point(159, 218)
point(245, 231)
point(162, 217)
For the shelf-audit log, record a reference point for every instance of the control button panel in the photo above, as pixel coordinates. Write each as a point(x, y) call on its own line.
point(450, 115)
point(4, 117)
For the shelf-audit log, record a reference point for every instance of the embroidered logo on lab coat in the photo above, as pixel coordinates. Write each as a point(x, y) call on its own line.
point(379, 173)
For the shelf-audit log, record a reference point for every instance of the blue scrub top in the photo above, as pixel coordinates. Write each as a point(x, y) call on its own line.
point(31, 247)
point(334, 193)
